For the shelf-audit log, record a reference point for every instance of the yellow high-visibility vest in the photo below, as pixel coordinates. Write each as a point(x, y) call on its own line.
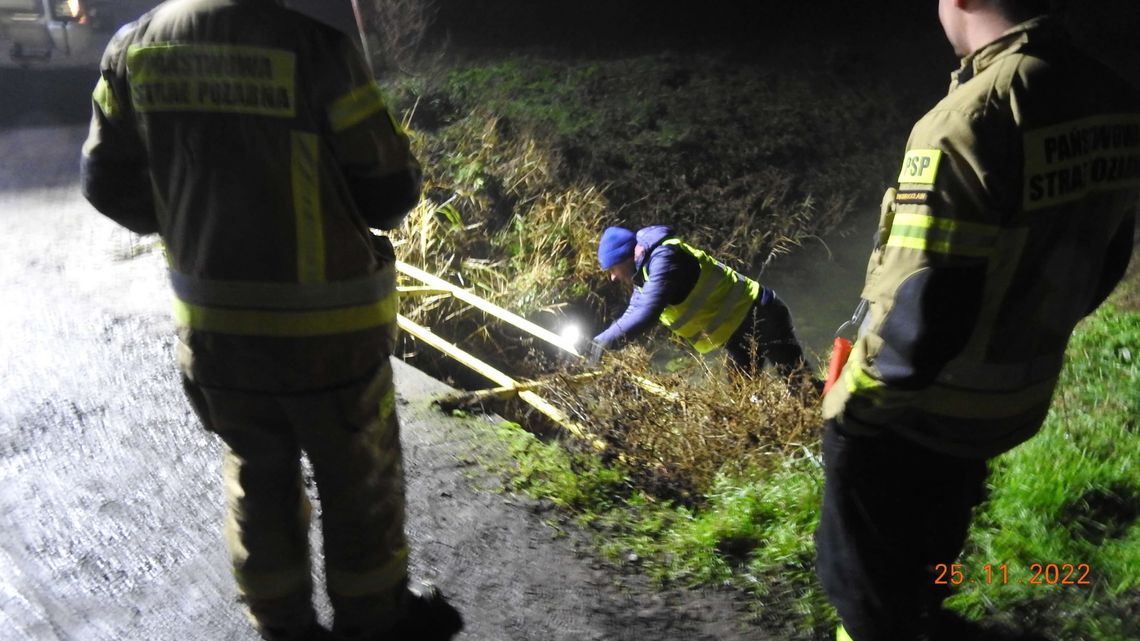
point(716, 306)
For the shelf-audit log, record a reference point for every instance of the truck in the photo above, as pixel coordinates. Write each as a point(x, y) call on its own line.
point(38, 31)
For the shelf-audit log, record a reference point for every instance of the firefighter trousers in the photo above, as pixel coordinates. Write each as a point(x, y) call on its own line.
point(351, 438)
point(892, 512)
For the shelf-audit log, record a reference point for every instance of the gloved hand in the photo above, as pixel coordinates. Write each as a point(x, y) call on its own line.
point(593, 353)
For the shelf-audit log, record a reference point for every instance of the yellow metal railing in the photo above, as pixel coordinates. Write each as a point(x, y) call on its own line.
point(508, 386)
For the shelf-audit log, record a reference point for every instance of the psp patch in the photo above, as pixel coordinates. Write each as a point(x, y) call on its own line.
point(920, 166)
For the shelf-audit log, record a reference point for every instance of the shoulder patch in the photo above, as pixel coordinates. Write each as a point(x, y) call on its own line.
point(920, 166)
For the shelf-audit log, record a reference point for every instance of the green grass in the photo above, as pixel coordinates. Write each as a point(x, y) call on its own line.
point(1069, 495)
point(752, 532)
point(549, 471)
point(1072, 495)
point(530, 90)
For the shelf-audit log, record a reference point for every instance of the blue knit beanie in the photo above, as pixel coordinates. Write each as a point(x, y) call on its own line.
point(616, 246)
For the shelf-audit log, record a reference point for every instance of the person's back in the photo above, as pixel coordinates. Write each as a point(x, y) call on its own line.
point(256, 142)
point(1075, 142)
point(270, 154)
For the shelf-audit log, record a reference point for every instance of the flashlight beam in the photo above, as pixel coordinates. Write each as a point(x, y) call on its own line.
point(487, 307)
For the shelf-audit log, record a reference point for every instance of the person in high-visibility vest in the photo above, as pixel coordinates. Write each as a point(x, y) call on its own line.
point(255, 142)
point(700, 299)
point(1012, 219)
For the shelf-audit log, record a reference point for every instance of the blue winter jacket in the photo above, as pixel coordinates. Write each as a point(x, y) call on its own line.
point(664, 276)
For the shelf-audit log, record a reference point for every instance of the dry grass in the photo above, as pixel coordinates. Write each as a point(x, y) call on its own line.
point(677, 434)
point(494, 219)
point(396, 30)
point(780, 220)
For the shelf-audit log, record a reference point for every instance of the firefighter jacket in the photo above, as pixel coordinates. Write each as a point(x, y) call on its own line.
point(698, 298)
point(1012, 219)
point(255, 141)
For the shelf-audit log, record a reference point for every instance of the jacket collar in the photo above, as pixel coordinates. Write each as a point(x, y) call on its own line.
point(649, 239)
point(1008, 43)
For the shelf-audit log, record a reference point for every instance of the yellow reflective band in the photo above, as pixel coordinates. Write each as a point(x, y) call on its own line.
point(379, 580)
point(712, 311)
point(104, 96)
point(212, 78)
point(273, 585)
point(254, 322)
point(948, 224)
point(841, 635)
point(732, 311)
point(307, 208)
point(936, 246)
point(861, 383)
point(357, 105)
point(284, 296)
point(920, 166)
point(942, 235)
point(689, 322)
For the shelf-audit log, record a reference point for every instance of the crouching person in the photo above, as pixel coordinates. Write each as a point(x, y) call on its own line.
point(702, 300)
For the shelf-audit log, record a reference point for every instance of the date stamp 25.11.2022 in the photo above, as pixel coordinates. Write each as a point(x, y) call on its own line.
point(1037, 574)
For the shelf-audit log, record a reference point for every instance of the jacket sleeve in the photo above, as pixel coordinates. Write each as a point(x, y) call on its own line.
point(114, 174)
point(926, 278)
point(1116, 260)
point(370, 146)
point(647, 302)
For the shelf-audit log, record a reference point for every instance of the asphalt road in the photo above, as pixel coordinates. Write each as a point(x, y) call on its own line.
point(110, 492)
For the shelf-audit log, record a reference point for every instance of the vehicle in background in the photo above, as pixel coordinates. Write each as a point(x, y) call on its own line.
point(40, 30)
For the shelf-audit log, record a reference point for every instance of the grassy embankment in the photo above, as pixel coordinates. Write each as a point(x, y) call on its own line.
point(528, 159)
point(1069, 496)
point(1072, 495)
point(535, 157)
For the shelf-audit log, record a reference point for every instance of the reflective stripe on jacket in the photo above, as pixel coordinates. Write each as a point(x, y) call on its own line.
point(1012, 219)
point(715, 307)
point(285, 309)
point(265, 151)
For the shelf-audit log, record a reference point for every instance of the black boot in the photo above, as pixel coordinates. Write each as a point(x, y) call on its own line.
point(427, 616)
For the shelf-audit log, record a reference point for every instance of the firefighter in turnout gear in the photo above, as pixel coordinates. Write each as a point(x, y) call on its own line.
point(254, 140)
point(705, 302)
point(1012, 219)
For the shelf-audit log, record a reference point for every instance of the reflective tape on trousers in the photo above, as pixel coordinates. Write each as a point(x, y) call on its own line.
point(360, 582)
